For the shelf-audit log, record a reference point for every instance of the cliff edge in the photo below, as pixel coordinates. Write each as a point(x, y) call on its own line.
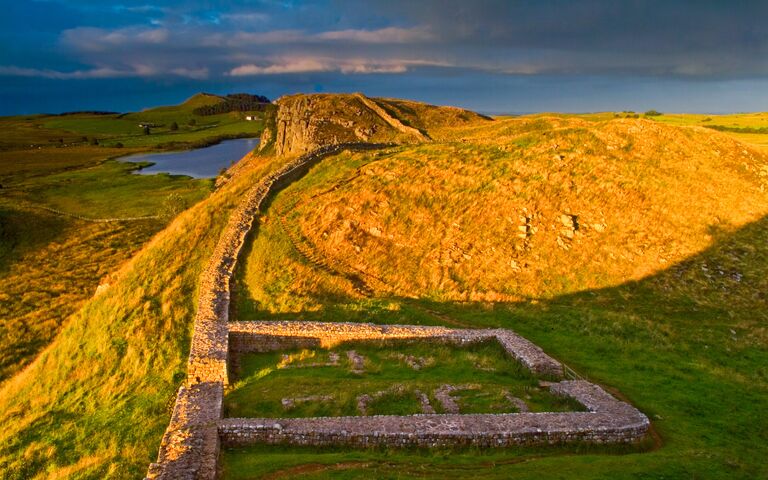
point(306, 122)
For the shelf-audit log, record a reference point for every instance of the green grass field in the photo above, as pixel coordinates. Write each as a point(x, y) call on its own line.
point(488, 374)
point(82, 129)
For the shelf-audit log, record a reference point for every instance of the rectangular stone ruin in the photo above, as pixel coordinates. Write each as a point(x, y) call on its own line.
point(607, 420)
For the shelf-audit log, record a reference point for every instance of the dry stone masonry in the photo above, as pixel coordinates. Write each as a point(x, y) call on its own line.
point(606, 421)
point(268, 336)
point(190, 446)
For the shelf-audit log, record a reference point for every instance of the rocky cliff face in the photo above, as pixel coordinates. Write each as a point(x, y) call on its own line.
point(306, 122)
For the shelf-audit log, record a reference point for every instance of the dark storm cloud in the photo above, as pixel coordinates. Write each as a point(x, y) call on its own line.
point(332, 42)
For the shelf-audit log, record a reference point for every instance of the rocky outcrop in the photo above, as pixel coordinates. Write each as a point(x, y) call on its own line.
point(304, 123)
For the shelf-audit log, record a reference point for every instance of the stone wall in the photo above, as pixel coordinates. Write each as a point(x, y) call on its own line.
point(266, 336)
point(190, 447)
point(607, 421)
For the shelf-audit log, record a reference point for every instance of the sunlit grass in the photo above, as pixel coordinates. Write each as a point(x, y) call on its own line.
point(484, 372)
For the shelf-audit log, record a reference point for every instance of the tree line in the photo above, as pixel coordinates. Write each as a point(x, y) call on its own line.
point(236, 102)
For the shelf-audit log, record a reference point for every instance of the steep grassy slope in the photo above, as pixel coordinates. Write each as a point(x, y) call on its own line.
point(95, 403)
point(50, 264)
point(525, 209)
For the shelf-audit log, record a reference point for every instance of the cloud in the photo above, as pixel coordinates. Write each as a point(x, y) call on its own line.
point(193, 73)
point(245, 18)
point(382, 35)
point(97, 39)
point(273, 37)
point(102, 72)
point(198, 40)
point(290, 66)
point(351, 66)
point(391, 35)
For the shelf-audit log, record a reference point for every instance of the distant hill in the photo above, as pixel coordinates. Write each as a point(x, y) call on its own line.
point(236, 102)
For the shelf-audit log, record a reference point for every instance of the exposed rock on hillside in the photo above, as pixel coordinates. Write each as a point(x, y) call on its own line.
point(306, 122)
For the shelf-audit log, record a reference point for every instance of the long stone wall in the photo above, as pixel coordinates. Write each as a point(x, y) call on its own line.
point(189, 449)
point(607, 421)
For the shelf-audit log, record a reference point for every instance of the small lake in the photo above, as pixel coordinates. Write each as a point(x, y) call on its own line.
point(199, 163)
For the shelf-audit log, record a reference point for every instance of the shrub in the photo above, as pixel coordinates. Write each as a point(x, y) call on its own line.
point(652, 113)
point(174, 126)
point(173, 205)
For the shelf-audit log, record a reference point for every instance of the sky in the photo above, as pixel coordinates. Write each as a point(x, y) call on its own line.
point(506, 56)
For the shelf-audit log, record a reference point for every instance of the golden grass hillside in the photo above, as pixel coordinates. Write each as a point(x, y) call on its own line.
point(51, 265)
point(514, 209)
point(95, 403)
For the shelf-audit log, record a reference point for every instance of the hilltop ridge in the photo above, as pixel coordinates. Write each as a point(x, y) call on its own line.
point(305, 122)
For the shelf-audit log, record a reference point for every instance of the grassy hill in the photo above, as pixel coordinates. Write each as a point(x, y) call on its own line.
point(50, 263)
point(521, 208)
point(750, 128)
point(632, 250)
